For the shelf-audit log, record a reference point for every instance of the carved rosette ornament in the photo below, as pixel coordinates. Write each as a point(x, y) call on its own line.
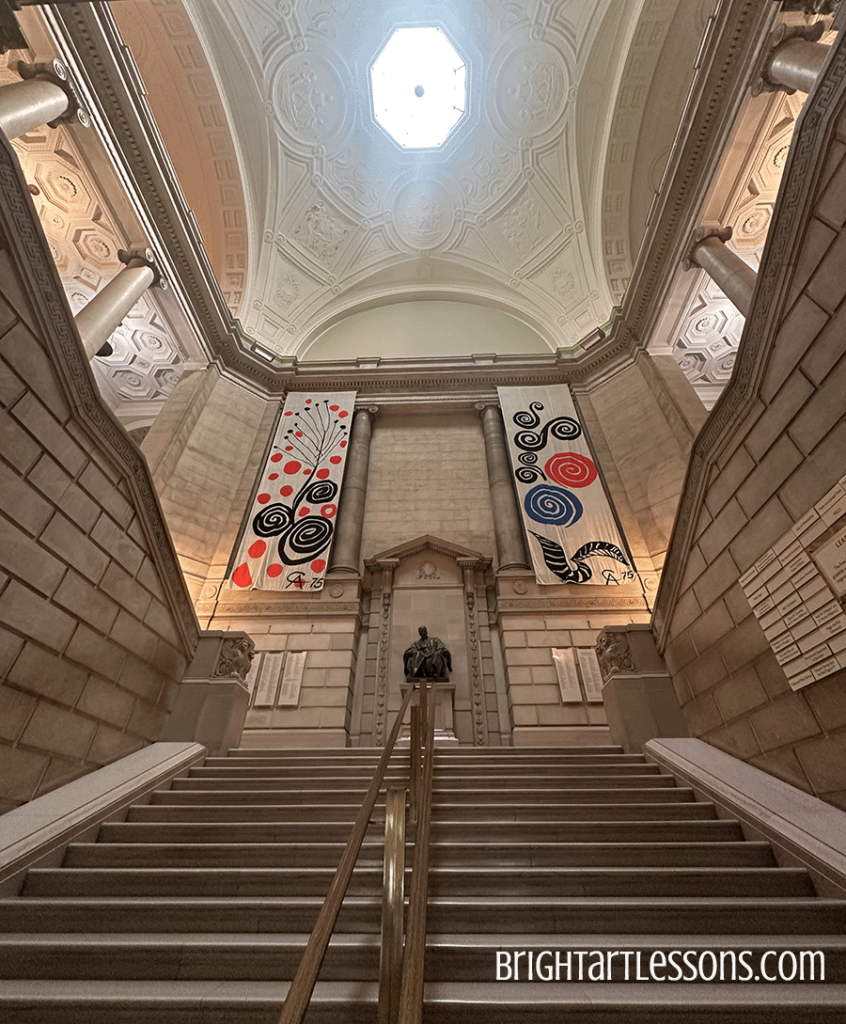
point(235, 657)
point(612, 652)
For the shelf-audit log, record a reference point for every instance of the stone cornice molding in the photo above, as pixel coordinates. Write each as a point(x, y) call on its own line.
point(33, 259)
point(565, 604)
point(792, 214)
point(725, 68)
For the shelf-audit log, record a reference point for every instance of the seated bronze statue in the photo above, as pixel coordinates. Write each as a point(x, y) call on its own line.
point(427, 657)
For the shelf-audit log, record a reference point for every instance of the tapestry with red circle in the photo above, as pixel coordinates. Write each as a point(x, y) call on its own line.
point(288, 541)
point(570, 469)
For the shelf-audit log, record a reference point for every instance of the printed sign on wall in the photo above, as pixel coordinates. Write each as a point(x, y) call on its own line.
point(290, 526)
point(572, 533)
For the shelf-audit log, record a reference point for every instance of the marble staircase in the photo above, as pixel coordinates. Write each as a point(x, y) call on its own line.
point(196, 907)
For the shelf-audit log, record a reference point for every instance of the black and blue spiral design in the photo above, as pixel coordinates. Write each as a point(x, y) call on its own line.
point(553, 506)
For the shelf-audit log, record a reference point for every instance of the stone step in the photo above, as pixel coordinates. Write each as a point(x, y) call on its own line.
point(442, 774)
point(622, 881)
point(243, 831)
point(252, 1002)
point(445, 854)
point(454, 753)
point(275, 957)
point(443, 761)
point(476, 783)
point(564, 915)
point(206, 809)
point(650, 790)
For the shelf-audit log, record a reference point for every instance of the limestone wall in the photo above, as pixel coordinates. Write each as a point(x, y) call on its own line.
point(427, 475)
point(95, 623)
point(773, 447)
point(206, 449)
point(646, 455)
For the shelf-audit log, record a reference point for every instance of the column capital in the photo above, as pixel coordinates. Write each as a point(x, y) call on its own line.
point(782, 34)
point(55, 71)
point(143, 258)
point(370, 409)
point(482, 407)
point(698, 236)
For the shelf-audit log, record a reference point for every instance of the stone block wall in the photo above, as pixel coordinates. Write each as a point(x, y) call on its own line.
point(206, 451)
point(763, 467)
point(96, 628)
point(427, 475)
point(645, 455)
point(326, 626)
point(532, 621)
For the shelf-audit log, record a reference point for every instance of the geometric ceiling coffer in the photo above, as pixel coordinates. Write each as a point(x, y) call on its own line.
point(419, 87)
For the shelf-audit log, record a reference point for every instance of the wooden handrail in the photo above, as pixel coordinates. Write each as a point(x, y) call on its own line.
point(299, 994)
point(411, 992)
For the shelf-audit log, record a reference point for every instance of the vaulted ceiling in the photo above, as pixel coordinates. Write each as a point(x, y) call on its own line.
point(535, 205)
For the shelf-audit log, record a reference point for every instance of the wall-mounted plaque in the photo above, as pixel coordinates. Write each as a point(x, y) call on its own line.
point(568, 678)
point(292, 679)
point(796, 588)
point(268, 682)
point(591, 674)
point(831, 558)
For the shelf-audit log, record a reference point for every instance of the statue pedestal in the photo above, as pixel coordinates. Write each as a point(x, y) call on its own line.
point(444, 701)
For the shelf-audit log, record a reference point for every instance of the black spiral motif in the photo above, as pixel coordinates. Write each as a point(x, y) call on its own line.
point(553, 505)
point(272, 520)
point(306, 538)
point(528, 475)
point(529, 418)
point(528, 458)
point(563, 428)
point(318, 492)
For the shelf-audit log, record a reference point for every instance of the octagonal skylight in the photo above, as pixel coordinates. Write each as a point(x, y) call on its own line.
point(419, 87)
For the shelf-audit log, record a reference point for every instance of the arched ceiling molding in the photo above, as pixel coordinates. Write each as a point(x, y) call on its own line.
point(427, 328)
point(187, 101)
point(646, 100)
point(465, 292)
point(595, 113)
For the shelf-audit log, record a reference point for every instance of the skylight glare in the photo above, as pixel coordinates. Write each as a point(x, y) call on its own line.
point(418, 87)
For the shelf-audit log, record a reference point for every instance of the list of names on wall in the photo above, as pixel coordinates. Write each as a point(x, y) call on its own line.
point(794, 590)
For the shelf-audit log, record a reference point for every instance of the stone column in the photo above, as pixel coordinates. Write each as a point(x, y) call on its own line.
point(708, 250)
point(793, 61)
point(97, 321)
point(346, 551)
point(45, 96)
point(506, 516)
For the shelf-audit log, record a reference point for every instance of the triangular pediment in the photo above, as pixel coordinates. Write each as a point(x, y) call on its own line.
point(427, 542)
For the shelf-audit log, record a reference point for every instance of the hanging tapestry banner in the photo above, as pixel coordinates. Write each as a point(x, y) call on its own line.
point(572, 533)
point(290, 526)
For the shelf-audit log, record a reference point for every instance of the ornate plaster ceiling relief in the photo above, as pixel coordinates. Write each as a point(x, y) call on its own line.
point(709, 328)
point(84, 233)
point(498, 206)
